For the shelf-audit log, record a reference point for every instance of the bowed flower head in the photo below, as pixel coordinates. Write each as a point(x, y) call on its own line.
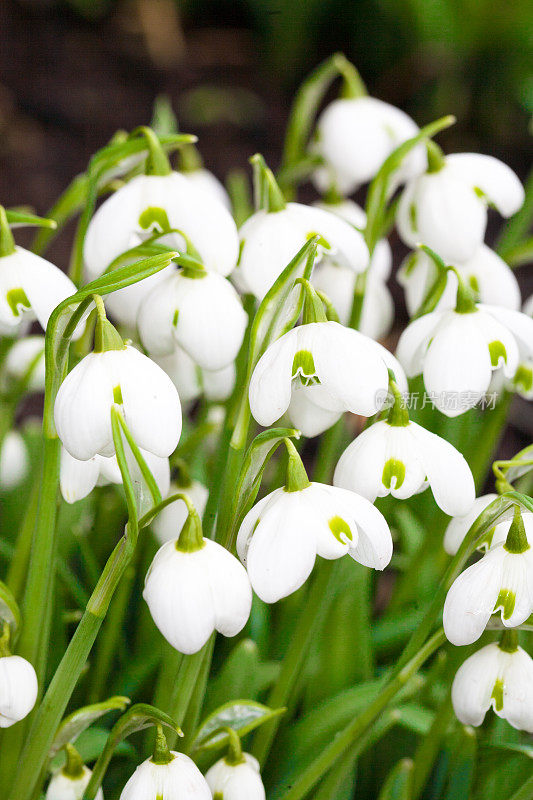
point(281, 536)
point(489, 277)
point(236, 776)
point(198, 311)
point(399, 457)
point(337, 368)
point(18, 689)
point(502, 580)
point(30, 286)
point(194, 587)
point(71, 781)
point(354, 137)
point(459, 526)
point(169, 522)
point(168, 776)
point(116, 374)
point(457, 351)
point(498, 675)
point(446, 208)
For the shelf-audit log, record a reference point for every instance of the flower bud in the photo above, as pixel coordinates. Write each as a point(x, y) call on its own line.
point(18, 689)
point(242, 781)
point(13, 460)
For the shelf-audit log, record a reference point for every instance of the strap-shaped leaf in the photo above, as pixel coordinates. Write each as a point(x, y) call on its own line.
point(241, 715)
point(22, 218)
point(9, 610)
point(399, 784)
point(137, 718)
point(82, 718)
point(140, 486)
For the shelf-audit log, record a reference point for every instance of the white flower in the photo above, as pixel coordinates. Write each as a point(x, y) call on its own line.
point(208, 184)
point(27, 356)
point(270, 240)
point(498, 678)
point(18, 689)
point(236, 781)
point(77, 478)
point(192, 381)
point(203, 315)
point(191, 594)
point(457, 352)
point(169, 522)
point(485, 272)
point(30, 287)
point(124, 304)
point(403, 460)
point(447, 209)
point(339, 368)
point(68, 787)
point(522, 380)
point(147, 397)
point(180, 779)
point(500, 580)
point(355, 136)
point(148, 203)
point(281, 536)
point(13, 460)
point(460, 524)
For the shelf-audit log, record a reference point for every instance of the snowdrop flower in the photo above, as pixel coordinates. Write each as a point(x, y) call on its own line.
point(14, 460)
point(338, 281)
point(498, 675)
point(501, 580)
point(77, 478)
point(446, 208)
point(149, 204)
point(236, 776)
point(492, 281)
point(398, 457)
point(338, 368)
point(201, 313)
point(271, 238)
point(355, 136)
point(209, 185)
point(25, 360)
point(457, 351)
point(167, 775)
point(18, 689)
point(459, 525)
point(194, 587)
point(169, 522)
point(522, 380)
point(281, 536)
point(30, 286)
point(71, 781)
point(116, 374)
point(192, 382)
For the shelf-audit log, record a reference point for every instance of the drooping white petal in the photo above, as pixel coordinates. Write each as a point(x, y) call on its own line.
point(270, 386)
point(229, 587)
point(44, 284)
point(307, 416)
point(460, 524)
point(208, 184)
point(77, 478)
point(447, 471)
point(474, 683)
point(183, 372)
point(124, 304)
point(377, 314)
point(360, 467)
point(472, 598)
point(18, 689)
point(500, 341)
point(497, 181)
point(331, 520)
point(236, 782)
point(414, 341)
point(520, 325)
point(25, 355)
point(180, 779)
point(14, 460)
point(517, 580)
point(66, 787)
point(518, 691)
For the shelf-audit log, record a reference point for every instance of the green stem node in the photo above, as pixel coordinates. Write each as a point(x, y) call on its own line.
point(436, 158)
point(157, 162)
point(191, 536)
point(313, 310)
point(509, 641)
point(74, 763)
point(162, 754)
point(398, 415)
point(516, 541)
point(106, 336)
point(269, 196)
point(296, 480)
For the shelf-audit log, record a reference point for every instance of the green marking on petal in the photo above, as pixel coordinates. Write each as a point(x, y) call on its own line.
point(117, 395)
point(17, 299)
point(480, 193)
point(175, 317)
point(497, 350)
point(303, 366)
point(413, 216)
point(523, 378)
point(473, 283)
point(321, 241)
point(218, 796)
point(393, 469)
point(154, 216)
point(410, 264)
point(340, 529)
point(497, 695)
point(506, 601)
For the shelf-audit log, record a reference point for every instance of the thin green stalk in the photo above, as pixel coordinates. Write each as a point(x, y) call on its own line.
point(18, 566)
point(185, 683)
point(191, 718)
point(361, 724)
point(429, 747)
point(304, 631)
point(525, 792)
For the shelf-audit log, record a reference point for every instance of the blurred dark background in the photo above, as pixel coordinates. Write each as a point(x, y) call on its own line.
point(72, 72)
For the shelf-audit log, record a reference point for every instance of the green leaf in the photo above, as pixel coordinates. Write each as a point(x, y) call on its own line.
point(21, 218)
point(9, 610)
point(82, 718)
point(462, 764)
point(238, 676)
point(137, 718)
point(399, 784)
point(241, 715)
point(136, 475)
point(89, 745)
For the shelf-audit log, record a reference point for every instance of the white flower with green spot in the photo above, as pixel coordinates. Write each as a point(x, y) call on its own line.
point(446, 208)
point(502, 580)
point(171, 519)
point(522, 380)
point(398, 457)
point(282, 535)
point(498, 676)
point(458, 351)
point(236, 781)
point(70, 782)
point(458, 527)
